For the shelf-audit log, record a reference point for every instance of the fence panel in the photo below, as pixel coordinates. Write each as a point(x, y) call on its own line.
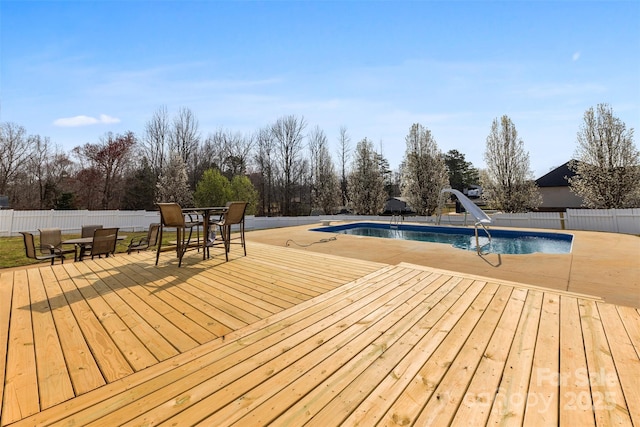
point(510, 220)
point(591, 219)
point(68, 221)
point(6, 221)
point(611, 220)
point(628, 220)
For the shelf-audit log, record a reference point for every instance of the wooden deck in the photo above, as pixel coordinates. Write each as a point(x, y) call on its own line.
point(288, 337)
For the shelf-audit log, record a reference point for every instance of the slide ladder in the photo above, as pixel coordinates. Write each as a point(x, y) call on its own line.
point(396, 219)
point(481, 217)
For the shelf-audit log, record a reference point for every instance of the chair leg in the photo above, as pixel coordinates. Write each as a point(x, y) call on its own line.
point(180, 245)
point(159, 244)
point(184, 244)
point(197, 236)
point(228, 242)
point(244, 246)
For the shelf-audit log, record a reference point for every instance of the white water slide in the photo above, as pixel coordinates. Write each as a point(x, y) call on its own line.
point(480, 216)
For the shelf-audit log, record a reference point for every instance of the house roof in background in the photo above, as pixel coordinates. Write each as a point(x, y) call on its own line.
point(557, 177)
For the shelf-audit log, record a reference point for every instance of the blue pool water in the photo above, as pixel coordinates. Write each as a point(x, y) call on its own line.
point(502, 242)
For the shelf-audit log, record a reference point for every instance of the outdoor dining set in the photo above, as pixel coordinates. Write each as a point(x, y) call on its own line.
point(96, 240)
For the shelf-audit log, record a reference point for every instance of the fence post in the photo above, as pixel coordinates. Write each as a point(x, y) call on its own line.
point(562, 221)
point(13, 213)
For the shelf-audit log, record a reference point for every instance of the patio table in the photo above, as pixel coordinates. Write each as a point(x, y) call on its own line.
point(206, 213)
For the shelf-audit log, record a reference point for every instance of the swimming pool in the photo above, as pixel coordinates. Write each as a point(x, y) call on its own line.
point(502, 241)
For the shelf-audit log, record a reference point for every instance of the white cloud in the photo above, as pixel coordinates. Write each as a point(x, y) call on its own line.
point(575, 56)
point(77, 121)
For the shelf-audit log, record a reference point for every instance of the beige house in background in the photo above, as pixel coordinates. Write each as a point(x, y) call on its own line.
point(556, 192)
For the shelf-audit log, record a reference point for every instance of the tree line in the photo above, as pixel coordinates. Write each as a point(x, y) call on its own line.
point(286, 168)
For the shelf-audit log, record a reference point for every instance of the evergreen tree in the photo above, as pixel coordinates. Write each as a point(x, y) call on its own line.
point(140, 188)
point(462, 174)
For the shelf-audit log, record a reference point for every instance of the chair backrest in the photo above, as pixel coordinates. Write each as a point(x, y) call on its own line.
point(152, 234)
point(50, 238)
point(29, 244)
point(87, 230)
point(235, 213)
point(104, 241)
point(171, 215)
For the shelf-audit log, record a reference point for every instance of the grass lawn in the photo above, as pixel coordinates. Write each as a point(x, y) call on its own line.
point(12, 252)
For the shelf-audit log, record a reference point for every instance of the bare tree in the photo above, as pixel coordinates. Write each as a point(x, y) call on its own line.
point(235, 152)
point(508, 183)
point(608, 163)
point(425, 172)
point(15, 152)
point(109, 158)
point(213, 149)
point(266, 163)
point(287, 132)
point(366, 182)
point(344, 155)
point(48, 168)
point(325, 190)
point(155, 144)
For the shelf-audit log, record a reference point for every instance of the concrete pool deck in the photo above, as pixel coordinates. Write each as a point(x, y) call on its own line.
point(604, 265)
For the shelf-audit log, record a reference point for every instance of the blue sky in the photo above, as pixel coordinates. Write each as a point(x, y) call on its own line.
point(74, 70)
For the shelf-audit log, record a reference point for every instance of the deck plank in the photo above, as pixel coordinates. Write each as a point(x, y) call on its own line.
point(511, 397)
point(466, 312)
point(21, 381)
point(108, 356)
point(153, 310)
point(173, 313)
point(452, 388)
point(631, 322)
point(477, 402)
point(153, 340)
point(606, 392)
point(83, 368)
point(575, 394)
point(210, 387)
point(543, 397)
point(388, 374)
point(155, 283)
point(54, 383)
point(163, 295)
point(626, 359)
point(6, 298)
point(318, 370)
point(133, 350)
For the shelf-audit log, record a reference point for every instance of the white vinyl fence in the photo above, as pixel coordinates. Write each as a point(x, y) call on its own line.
point(625, 221)
point(612, 220)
